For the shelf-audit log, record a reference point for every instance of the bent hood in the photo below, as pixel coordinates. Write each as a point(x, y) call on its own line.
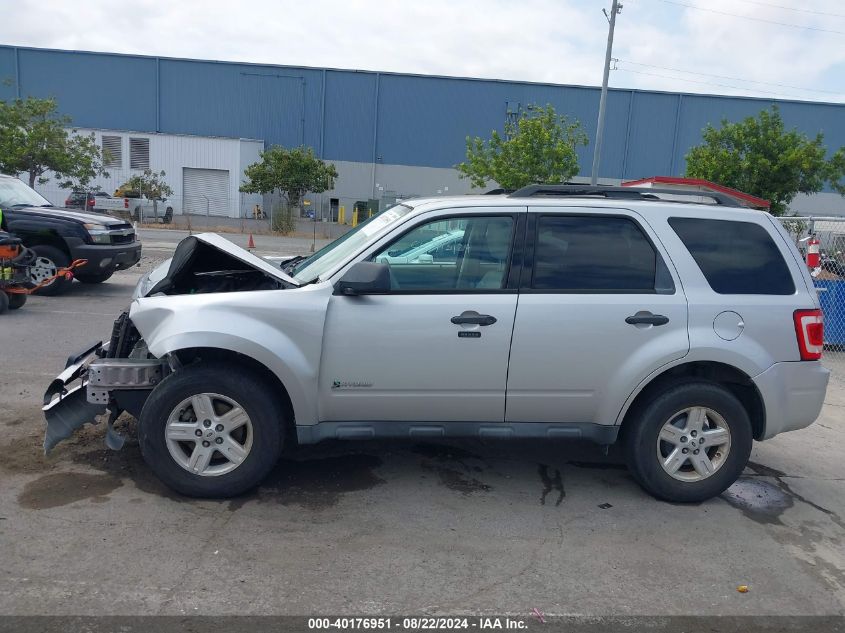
point(202, 248)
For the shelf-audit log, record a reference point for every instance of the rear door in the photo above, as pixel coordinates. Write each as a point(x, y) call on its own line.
point(599, 308)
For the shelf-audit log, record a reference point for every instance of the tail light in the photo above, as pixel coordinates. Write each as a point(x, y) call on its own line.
point(809, 330)
point(91, 202)
point(67, 202)
point(126, 203)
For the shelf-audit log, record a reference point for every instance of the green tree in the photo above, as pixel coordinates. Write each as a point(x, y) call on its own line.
point(758, 155)
point(290, 172)
point(34, 140)
point(538, 148)
point(82, 162)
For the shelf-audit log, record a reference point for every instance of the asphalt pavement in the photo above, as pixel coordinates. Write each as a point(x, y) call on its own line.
point(394, 527)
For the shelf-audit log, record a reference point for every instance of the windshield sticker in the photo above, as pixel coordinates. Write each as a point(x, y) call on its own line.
point(377, 224)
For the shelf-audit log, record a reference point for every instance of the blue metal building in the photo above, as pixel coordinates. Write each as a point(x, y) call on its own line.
point(381, 122)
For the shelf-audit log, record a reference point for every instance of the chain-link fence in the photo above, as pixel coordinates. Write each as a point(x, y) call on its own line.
point(823, 239)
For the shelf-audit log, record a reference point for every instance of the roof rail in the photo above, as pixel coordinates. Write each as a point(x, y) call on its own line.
point(620, 193)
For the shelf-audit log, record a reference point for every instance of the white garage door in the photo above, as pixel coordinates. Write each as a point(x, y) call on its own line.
point(205, 191)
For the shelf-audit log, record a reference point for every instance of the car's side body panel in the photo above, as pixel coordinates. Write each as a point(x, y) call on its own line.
point(574, 357)
point(281, 329)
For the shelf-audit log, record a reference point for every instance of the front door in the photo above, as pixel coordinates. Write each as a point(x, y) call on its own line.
point(599, 309)
point(436, 348)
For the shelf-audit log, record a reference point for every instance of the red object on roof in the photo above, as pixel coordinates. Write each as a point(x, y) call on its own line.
point(670, 182)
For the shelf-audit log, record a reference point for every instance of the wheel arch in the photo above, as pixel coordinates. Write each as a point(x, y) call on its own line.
point(47, 238)
point(189, 355)
point(735, 380)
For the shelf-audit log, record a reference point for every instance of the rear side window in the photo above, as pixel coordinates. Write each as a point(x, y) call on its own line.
point(737, 258)
point(593, 254)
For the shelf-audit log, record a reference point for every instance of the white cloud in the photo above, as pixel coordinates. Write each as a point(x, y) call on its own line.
point(559, 41)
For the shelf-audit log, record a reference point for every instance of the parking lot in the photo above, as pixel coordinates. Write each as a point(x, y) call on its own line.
point(440, 528)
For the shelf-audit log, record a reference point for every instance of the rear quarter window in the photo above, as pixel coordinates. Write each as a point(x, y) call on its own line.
point(735, 257)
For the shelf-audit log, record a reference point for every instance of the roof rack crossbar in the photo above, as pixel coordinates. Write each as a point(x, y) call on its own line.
point(619, 193)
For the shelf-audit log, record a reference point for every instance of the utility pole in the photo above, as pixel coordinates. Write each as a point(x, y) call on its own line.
point(614, 9)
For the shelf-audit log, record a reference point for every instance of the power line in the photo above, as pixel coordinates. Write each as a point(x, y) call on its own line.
point(797, 9)
point(711, 83)
point(753, 19)
point(752, 81)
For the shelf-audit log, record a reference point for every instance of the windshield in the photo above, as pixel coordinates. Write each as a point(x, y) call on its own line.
point(330, 256)
point(13, 192)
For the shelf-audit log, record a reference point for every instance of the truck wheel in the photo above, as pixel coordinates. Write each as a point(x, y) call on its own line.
point(16, 300)
point(4, 302)
point(48, 261)
point(689, 443)
point(95, 278)
point(209, 431)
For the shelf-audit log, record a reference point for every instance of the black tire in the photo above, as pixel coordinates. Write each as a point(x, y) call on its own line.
point(4, 302)
point(16, 300)
point(95, 278)
point(168, 215)
point(641, 431)
point(247, 389)
point(58, 259)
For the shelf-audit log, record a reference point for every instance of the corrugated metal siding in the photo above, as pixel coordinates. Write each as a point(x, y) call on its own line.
point(650, 136)
point(350, 106)
point(96, 90)
point(421, 120)
point(7, 73)
point(279, 105)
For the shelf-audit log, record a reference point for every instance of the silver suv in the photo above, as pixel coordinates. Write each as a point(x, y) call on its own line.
point(682, 330)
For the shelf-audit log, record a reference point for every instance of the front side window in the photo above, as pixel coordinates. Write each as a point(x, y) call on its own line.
point(593, 254)
point(735, 257)
point(462, 253)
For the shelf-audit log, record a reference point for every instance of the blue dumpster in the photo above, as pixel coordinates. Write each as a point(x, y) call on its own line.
point(832, 297)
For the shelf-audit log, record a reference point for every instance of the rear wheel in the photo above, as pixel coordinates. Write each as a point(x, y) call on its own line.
point(16, 301)
point(4, 302)
point(689, 443)
point(209, 431)
point(48, 261)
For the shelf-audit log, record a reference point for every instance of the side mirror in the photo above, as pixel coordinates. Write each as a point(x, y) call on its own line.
point(425, 258)
point(364, 278)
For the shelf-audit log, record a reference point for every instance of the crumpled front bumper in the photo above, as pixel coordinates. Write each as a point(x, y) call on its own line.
point(66, 407)
point(92, 384)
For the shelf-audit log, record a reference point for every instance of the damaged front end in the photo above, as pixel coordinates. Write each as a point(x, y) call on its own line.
point(119, 376)
point(110, 378)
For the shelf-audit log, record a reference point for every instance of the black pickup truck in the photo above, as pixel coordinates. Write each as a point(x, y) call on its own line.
point(59, 236)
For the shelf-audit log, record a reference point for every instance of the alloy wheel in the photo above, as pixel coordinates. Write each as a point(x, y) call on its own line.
point(693, 444)
point(209, 434)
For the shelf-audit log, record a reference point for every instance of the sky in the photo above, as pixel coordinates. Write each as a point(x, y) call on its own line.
point(768, 48)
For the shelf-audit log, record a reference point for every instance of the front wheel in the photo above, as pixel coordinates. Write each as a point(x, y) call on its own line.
point(689, 443)
point(48, 261)
point(209, 431)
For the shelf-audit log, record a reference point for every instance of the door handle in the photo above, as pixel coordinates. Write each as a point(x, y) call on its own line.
point(647, 318)
point(473, 319)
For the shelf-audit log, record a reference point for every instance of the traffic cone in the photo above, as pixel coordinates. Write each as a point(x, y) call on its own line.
point(251, 244)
